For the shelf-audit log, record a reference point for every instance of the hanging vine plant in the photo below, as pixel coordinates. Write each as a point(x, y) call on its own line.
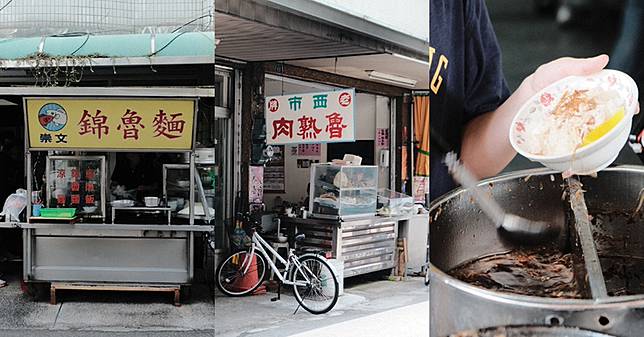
point(57, 71)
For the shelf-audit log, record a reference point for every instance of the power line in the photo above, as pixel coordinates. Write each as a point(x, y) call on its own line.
point(5, 5)
point(82, 44)
point(167, 44)
point(189, 22)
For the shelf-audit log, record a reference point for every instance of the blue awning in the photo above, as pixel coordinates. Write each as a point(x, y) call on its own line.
point(183, 44)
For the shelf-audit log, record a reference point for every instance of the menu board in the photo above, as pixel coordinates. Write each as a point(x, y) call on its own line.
point(76, 182)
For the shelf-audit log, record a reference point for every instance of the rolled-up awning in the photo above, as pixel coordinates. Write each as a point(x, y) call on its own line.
point(187, 45)
point(421, 134)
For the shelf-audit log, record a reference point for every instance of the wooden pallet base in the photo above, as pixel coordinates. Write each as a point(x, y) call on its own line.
point(114, 287)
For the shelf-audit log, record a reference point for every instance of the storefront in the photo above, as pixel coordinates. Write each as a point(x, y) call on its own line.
point(72, 234)
point(322, 99)
point(119, 172)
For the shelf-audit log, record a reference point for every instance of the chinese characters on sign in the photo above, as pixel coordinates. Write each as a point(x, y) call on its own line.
point(310, 118)
point(93, 124)
point(382, 138)
point(110, 123)
point(421, 188)
point(308, 150)
point(74, 183)
point(169, 128)
point(130, 124)
point(256, 184)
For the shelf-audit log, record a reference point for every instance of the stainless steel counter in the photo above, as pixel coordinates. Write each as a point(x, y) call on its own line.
point(123, 253)
point(364, 245)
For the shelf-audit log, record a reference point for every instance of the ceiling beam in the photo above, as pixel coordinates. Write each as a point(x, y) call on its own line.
point(307, 74)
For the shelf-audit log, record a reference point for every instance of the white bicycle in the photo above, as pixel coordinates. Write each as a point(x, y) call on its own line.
point(314, 283)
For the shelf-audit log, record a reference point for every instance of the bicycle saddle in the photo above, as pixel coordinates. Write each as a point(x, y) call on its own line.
point(300, 237)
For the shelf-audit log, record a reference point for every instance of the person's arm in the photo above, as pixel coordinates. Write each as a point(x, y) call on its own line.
point(486, 147)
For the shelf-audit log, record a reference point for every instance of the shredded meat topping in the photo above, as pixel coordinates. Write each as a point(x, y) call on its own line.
point(573, 103)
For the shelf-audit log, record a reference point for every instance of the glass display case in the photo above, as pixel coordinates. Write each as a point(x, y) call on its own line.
point(343, 191)
point(176, 189)
point(392, 203)
point(76, 182)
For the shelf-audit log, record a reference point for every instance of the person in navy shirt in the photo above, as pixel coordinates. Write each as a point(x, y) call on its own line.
point(471, 107)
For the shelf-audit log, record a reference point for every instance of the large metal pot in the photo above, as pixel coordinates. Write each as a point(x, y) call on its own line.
point(459, 232)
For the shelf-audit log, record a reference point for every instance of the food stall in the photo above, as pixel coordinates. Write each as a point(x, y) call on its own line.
point(352, 219)
point(86, 231)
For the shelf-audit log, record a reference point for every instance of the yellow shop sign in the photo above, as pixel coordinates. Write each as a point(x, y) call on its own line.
point(110, 124)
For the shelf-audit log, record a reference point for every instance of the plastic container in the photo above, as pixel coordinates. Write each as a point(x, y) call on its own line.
point(62, 213)
point(122, 203)
point(151, 201)
point(392, 203)
point(35, 210)
point(597, 155)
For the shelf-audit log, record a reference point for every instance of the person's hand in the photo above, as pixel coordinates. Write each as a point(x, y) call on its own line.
point(555, 70)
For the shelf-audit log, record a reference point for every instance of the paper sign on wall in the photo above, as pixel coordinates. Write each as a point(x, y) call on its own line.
point(256, 184)
point(382, 138)
point(309, 150)
point(421, 188)
point(310, 118)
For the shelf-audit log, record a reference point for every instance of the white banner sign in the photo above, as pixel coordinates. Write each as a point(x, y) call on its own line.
point(311, 118)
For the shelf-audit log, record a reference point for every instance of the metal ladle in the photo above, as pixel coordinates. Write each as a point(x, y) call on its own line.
point(517, 227)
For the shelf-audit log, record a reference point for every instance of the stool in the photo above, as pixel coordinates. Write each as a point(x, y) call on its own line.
point(277, 246)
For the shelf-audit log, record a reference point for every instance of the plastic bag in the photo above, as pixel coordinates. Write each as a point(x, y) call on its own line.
point(15, 204)
point(239, 238)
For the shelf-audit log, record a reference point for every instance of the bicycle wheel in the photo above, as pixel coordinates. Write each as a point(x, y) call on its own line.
point(316, 288)
point(241, 274)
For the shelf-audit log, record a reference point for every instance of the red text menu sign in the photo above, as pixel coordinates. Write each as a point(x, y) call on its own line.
point(321, 117)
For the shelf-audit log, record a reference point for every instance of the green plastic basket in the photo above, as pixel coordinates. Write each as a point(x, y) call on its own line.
point(58, 212)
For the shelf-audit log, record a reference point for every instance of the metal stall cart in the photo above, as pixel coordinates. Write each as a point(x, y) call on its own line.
point(74, 238)
point(343, 221)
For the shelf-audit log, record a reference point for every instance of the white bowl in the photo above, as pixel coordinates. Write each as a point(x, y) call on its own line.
point(597, 155)
point(89, 209)
point(151, 201)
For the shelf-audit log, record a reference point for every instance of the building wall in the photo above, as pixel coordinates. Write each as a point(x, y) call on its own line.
point(412, 18)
